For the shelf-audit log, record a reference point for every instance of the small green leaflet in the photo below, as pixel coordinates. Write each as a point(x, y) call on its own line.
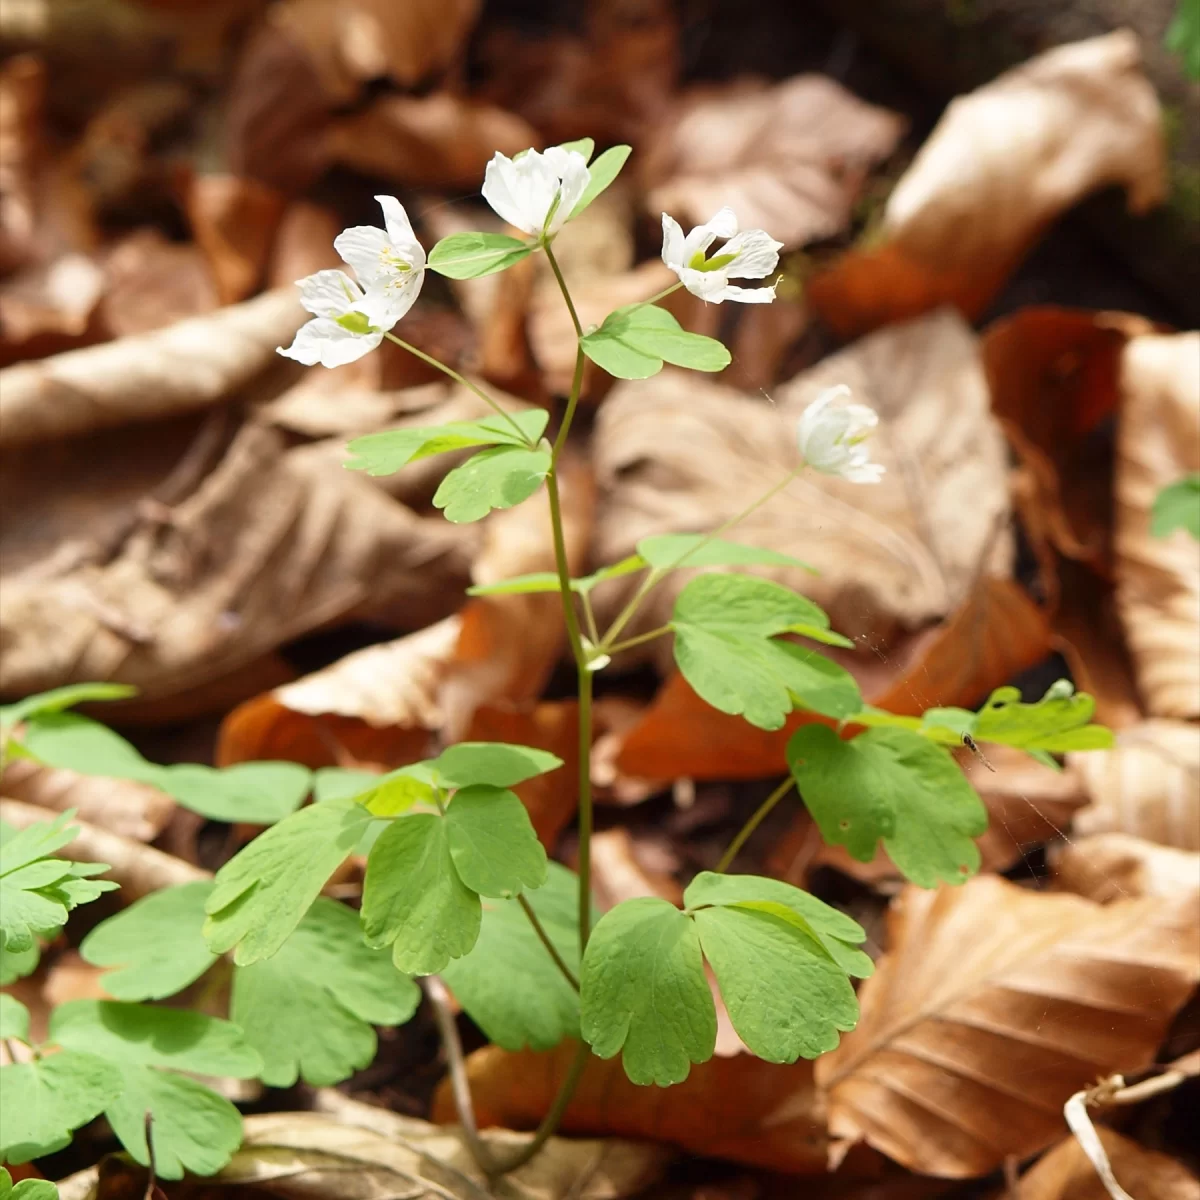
point(1177, 506)
point(470, 255)
point(59, 698)
point(309, 1010)
point(37, 891)
point(492, 843)
point(643, 992)
point(41, 1102)
point(725, 626)
point(413, 898)
point(497, 478)
point(16, 964)
point(894, 785)
point(667, 551)
point(387, 452)
point(508, 984)
point(27, 1189)
point(603, 171)
point(585, 146)
point(262, 893)
point(1183, 37)
point(497, 764)
point(547, 581)
point(14, 1018)
point(635, 341)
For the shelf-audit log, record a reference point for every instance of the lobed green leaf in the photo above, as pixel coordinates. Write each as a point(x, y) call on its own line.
point(492, 842)
point(635, 341)
point(500, 477)
point(57, 699)
point(471, 255)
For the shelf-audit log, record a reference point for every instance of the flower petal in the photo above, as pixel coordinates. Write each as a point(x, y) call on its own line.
point(724, 223)
point(389, 300)
point(762, 295)
point(571, 170)
point(326, 342)
point(328, 293)
point(365, 248)
point(756, 254)
point(672, 248)
point(500, 191)
point(399, 227)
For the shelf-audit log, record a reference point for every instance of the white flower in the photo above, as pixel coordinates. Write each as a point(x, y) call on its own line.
point(343, 327)
point(831, 437)
point(752, 254)
point(536, 192)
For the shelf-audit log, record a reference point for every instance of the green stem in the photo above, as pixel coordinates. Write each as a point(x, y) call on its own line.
point(616, 647)
point(544, 938)
point(572, 404)
point(757, 817)
point(441, 366)
point(562, 287)
point(659, 295)
point(585, 808)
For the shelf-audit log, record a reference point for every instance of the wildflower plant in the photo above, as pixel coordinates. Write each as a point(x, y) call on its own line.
point(457, 884)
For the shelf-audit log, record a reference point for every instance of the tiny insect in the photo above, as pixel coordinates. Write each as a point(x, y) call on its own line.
point(973, 746)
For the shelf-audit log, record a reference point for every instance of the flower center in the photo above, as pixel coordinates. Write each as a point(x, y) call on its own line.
point(392, 260)
point(700, 263)
point(354, 322)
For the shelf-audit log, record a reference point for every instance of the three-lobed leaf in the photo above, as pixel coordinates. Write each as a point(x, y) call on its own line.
point(1057, 723)
point(497, 478)
point(471, 255)
point(492, 842)
point(635, 341)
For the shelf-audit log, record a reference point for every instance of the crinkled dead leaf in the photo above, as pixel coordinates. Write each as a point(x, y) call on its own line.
point(152, 282)
point(269, 546)
point(789, 158)
point(1065, 1173)
point(737, 1108)
point(186, 366)
point(1158, 578)
point(50, 307)
point(1147, 785)
point(1115, 866)
point(623, 868)
point(992, 1007)
point(1003, 162)
point(678, 454)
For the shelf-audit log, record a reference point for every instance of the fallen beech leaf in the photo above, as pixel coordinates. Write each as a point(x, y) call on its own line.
point(22, 99)
point(151, 283)
point(1065, 1173)
point(134, 810)
point(438, 141)
point(738, 1108)
point(1158, 579)
point(992, 1007)
point(620, 872)
point(303, 245)
point(1148, 784)
point(187, 366)
point(677, 454)
point(1003, 162)
point(49, 308)
point(789, 158)
point(1112, 866)
point(301, 544)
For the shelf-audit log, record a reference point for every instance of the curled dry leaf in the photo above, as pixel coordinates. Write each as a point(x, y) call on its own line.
point(1113, 866)
point(992, 1007)
point(1003, 162)
point(737, 1108)
point(187, 366)
point(1066, 1174)
point(1147, 785)
point(675, 454)
point(1158, 579)
point(269, 546)
point(134, 810)
point(789, 158)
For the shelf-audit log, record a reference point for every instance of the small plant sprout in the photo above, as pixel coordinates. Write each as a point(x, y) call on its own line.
point(751, 254)
point(832, 437)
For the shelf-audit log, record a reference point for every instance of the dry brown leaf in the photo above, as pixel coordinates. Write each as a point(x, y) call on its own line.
point(49, 308)
point(151, 282)
point(1066, 1174)
point(134, 810)
point(303, 244)
point(1147, 785)
point(187, 366)
point(623, 869)
point(992, 1007)
point(439, 141)
point(789, 158)
point(269, 546)
point(1158, 579)
point(1003, 162)
point(1112, 866)
point(675, 454)
point(22, 98)
point(738, 1108)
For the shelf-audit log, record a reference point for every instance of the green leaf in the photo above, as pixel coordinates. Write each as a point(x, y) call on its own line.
point(16, 964)
point(667, 551)
point(1183, 37)
point(603, 171)
point(838, 933)
point(635, 341)
point(547, 581)
point(387, 452)
point(470, 255)
point(893, 785)
point(56, 699)
point(156, 944)
point(413, 899)
point(309, 1010)
point(154, 1037)
point(497, 478)
point(497, 764)
point(643, 990)
point(62, 739)
point(492, 842)
point(785, 995)
point(14, 1018)
point(724, 627)
point(262, 893)
point(508, 984)
point(41, 1102)
point(584, 146)
point(193, 1128)
point(27, 1189)
point(1058, 722)
point(396, 792)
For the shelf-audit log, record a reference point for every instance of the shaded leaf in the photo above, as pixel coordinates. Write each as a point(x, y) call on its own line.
point(1177, 506)
point(14, 1018)
point(492, 843)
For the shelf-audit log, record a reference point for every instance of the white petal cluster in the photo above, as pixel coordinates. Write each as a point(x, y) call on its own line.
point(350, 318)
point(751, 254)
point(536, 192)
point(832, 437)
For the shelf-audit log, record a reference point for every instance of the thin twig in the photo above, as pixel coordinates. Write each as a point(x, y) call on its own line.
point(544, 938)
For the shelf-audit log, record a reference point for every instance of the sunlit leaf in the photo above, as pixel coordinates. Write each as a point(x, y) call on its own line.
point(497, 478)
point(470, 255)
point(492, 842)
point(635, 341)
point(603, 171)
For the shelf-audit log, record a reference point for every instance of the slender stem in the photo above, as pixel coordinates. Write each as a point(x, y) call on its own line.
point(585, 808)
point(544, 938)
point(589, 617)
point(564, 573)
point(637, 641)
point(659, 295)
point(756, 819)
point(441, 366)
point(562, 287)
point(572, 404)
point(152, 1168)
